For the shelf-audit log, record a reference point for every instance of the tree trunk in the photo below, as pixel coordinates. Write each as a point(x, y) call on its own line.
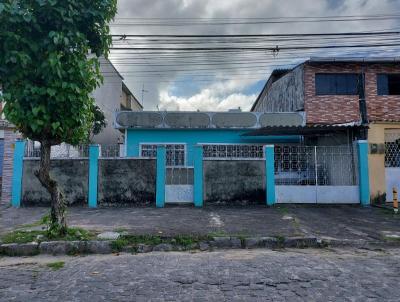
point(58, 225)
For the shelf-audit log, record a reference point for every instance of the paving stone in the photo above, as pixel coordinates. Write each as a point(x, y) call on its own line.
point(226, 242)
point(19, 249)
point(204, 246)
point(254, 242)
point(62, 247)
point(108, 236)
point(300, 242)
point(144, 248)
point(163, 247)
point(98, 247)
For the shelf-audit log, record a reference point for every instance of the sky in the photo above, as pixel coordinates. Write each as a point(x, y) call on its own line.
point(186, 82)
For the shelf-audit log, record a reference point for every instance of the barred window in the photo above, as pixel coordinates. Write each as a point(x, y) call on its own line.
point(176, 153)
point(233, 151)
point(392, 149)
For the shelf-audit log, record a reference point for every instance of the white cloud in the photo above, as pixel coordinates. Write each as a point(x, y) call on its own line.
point(219, 96)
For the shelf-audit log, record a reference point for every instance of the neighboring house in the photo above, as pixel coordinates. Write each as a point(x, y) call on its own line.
point(346, 91)
point(113, 95)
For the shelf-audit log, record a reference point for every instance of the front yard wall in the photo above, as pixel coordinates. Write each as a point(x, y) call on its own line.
point(234, 181)
point(71, 175)
point(126, 181)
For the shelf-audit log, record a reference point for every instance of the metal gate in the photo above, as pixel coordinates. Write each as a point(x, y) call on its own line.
point(179, 185)
point(392, 161)
point(316, 174)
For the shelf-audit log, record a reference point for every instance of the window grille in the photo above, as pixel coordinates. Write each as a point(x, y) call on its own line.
point(392, 149)
point(176, 153)
point(233, 151)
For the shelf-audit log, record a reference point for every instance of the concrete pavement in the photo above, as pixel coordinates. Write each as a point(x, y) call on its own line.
point(331, 222)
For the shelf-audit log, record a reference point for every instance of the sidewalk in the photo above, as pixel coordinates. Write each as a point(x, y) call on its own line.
point(326, 222)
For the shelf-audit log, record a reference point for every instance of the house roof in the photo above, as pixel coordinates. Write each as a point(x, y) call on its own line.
point(278, 73)
point(205, 120)
point(308, 129)
point(353, 60)
point(275, 75)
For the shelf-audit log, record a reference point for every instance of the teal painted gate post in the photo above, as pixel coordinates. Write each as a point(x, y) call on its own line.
point(18, 163)
point(363, 172)
point(198, 176)
point(269, 175)
point(93, 174)
point(160, 178)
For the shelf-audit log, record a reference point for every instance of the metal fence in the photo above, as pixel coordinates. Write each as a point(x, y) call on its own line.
point(111, 151)
point(179, 176)
point(176, 153)
point(32, 150)
point(233, 151)
point(315, 165)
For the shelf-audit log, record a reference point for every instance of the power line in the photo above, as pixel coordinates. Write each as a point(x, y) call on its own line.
point(257, 35)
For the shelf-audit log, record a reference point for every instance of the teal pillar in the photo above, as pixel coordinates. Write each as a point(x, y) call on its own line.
point(269, 175)
point(160, 178)
point(18, 163)
point(93, 173)
point(363, 172)
point(198, 176)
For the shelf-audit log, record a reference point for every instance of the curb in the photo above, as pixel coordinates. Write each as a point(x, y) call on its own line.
point(106, 246)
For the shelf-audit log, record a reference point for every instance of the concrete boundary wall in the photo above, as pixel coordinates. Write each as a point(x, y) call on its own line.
point(126, 181)
point(71, 174)
point(234, 181)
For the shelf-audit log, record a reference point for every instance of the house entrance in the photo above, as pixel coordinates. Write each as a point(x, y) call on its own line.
point(392, 161)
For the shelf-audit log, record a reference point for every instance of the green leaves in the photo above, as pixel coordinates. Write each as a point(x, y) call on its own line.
point(45, 73)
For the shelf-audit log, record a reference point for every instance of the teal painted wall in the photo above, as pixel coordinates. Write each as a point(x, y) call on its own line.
point(134, 137)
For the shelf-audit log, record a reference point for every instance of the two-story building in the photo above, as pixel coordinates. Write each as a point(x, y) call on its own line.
point(334, 92)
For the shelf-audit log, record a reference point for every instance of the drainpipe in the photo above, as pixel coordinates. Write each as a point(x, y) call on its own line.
point(362, 103)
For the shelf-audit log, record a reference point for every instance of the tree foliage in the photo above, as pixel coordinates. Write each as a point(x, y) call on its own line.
point(49, 65)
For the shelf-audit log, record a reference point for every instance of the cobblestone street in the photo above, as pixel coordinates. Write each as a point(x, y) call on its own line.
point(242, 275)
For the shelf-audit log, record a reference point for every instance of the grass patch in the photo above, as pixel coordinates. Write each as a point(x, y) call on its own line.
point(56, 265)
point(21, 236)
point(44, 221)
point(280, 240)
point(283, 210)
point(120, 230)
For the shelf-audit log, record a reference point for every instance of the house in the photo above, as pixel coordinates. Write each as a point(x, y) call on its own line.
point(232, 151)
point(362, 92)
point(113, 95)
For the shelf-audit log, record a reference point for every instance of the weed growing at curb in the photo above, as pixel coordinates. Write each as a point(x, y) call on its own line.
point(133, 240)
point(56, 265)
point(21, 236)
point(280, 240)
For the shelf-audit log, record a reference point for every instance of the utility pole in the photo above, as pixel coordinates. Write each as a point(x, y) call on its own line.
point(143, 92)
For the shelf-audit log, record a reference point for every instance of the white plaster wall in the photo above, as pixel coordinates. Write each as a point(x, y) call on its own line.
point(108, 98)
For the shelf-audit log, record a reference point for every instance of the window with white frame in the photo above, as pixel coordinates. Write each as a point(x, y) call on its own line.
point(232, 151)
point(176, 153)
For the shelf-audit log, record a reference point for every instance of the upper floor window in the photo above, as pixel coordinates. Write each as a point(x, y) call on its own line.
point(336, 83)
point(388, 84)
